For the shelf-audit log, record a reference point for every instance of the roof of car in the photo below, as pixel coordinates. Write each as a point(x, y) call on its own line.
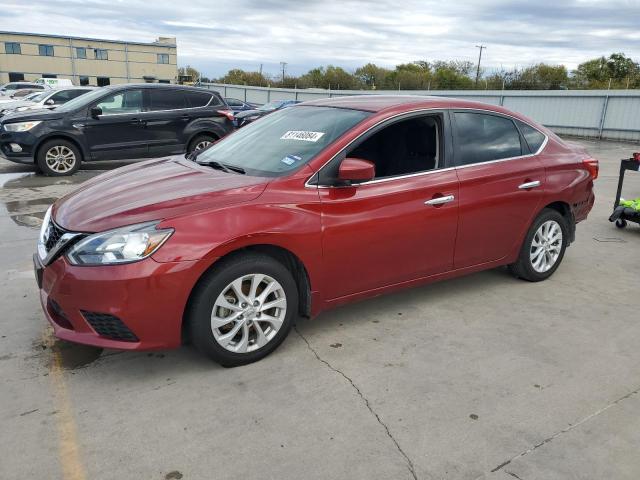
point(160, 85)
point(377, 103)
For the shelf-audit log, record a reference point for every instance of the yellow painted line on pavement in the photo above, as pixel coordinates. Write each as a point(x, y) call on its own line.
point(69, 450)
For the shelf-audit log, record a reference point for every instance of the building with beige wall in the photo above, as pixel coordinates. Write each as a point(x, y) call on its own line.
point(86, 61)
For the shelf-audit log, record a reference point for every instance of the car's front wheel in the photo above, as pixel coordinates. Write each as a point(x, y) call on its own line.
point(543, 248)
point(58, 157)
point(243, 309)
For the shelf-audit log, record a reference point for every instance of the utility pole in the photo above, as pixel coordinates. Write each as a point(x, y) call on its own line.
point(284, 66)
point(481, 47)
point(260, 75)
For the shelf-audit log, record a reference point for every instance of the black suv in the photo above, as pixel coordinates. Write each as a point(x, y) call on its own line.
point(116, 122)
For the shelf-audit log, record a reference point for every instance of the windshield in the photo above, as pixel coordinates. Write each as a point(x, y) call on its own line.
point(268, 107)
point(283, 141)
point(82, 100)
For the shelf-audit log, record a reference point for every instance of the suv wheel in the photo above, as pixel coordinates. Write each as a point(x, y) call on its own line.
point(543, 248)
point(57, 158)
point(200, 142)
point(243, 309)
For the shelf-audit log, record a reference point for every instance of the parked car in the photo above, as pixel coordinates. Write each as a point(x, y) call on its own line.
point(116, 122)
point(247, 116)
point(238, 105)
point(8, 98)
point(49, 99)
point(314, 206)
point(11, 87)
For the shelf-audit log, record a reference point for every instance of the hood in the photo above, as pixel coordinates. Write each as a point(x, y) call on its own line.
point(29, 115)
point(152, 190)
point(15, 104)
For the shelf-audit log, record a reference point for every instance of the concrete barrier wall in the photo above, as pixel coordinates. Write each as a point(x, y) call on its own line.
point(610, 114)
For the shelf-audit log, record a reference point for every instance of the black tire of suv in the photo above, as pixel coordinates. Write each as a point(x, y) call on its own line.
point(199, 139)
point(45, 169)
point(523, 268)
point(201, 304)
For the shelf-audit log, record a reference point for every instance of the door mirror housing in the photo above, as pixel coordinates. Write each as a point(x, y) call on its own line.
point(49, 102)
point(356, 170)
point(95, 112)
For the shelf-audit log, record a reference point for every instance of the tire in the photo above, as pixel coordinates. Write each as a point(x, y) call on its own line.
point(216, 311)
point(200, 141)
point(621, 223)
point(537, 263)
point(58, 158)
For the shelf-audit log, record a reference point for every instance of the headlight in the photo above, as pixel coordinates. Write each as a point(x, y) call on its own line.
point(21, 127)
point(122, 245)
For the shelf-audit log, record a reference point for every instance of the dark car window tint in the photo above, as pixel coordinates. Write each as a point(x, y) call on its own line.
point(129, 101)
point(234, 103)
point(197, 99)
point(483, 138)
point(534, 138)
point(165, 99)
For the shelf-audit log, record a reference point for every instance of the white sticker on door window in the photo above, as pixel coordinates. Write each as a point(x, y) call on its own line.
point(302, 135)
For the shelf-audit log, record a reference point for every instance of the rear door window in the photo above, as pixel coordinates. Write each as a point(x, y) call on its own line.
point(484, 137)
point(197, 99)
point(166, 99)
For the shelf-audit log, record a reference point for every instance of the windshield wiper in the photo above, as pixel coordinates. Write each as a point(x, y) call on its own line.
point(223, 167)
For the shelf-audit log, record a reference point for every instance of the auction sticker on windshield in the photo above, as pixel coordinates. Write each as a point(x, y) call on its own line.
point(302, 135)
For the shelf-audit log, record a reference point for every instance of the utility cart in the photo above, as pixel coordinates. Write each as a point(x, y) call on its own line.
point(623, 214)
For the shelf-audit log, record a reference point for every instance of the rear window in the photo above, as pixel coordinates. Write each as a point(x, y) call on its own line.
point(166, 99)
point(534, 138)
point(198, 99)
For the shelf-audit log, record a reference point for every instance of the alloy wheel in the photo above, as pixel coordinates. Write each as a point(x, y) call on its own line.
point(202, 144)
point(248, 313)
point(60, 159)
point(546, 246)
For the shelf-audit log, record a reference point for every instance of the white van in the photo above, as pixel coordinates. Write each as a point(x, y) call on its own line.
point(54, 82)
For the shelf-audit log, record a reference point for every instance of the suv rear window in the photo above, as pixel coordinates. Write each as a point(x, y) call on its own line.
point(200, 99)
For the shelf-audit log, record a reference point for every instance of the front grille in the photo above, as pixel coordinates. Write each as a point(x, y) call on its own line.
point(109, 326)
point(55, 233)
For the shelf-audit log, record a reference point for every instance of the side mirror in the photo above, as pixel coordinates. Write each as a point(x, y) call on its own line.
point(95, 112)
point(49, 102)
point(356, 170)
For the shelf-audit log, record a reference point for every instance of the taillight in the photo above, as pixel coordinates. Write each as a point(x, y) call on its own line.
point(226, 113)
point(636, 156)
point(592, 167)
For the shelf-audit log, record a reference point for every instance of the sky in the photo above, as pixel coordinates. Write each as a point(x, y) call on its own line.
point(215, 36)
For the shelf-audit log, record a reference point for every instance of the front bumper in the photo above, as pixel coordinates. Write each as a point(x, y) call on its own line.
point(147, 297)
point(27, 142)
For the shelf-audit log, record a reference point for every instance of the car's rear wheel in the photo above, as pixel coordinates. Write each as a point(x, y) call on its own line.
point(543, 248)
point(57, 158)
point(243, 309)
point(200, 142)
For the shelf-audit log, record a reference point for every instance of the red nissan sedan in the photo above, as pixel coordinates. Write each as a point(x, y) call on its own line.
point(314, 206)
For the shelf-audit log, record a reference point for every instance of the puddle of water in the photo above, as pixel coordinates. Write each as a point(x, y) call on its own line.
point(32, 180)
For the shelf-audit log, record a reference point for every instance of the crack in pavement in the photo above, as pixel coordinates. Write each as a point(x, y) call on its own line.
point(366, 402)
point(564, 430)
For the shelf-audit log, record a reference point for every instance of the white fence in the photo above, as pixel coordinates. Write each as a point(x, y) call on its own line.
point(610, 114)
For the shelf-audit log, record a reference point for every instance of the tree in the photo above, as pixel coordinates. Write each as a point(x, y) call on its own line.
point(238, 76)
point(189, 71)
point(372, 76)
point(618, 69)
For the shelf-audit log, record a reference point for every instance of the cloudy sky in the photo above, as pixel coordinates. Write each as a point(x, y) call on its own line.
point(215, 36)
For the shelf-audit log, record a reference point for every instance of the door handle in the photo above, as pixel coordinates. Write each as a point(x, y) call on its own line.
point(528, 185)
point(440, 200)
point(135, 121)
